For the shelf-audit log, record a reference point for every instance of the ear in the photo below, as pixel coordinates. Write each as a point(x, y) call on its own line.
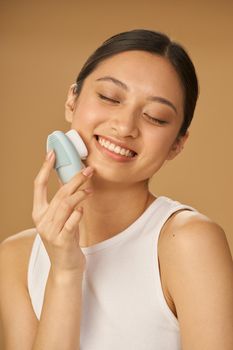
point(177, 146)
point(70, 103)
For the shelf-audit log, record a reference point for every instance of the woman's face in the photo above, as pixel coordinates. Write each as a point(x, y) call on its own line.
point(128, 113)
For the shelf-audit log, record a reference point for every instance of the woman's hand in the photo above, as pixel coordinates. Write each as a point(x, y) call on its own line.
point(57, 222)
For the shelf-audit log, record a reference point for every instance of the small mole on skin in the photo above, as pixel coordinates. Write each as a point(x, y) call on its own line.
point(173, 234)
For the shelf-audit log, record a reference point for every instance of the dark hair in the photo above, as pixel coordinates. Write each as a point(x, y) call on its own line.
point(153, 42)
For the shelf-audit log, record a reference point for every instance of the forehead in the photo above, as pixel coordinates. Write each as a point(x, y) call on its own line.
point(143, 71)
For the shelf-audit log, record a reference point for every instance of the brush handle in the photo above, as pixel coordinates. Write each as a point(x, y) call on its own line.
point(68, 161)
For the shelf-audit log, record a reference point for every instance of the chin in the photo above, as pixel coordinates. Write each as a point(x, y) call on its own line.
point(109, 174)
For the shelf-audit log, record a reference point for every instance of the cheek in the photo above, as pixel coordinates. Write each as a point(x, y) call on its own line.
point(159, 142)
point(157, 149)
point(87, 115)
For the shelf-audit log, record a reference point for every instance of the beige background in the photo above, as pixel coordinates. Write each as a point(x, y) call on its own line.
point(43, 46)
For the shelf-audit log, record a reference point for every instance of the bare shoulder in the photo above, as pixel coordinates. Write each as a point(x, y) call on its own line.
point(15, 303)
point(188, 237)
point(198, 272)
point(193, 230)
point(21, 237)
point(15, 252)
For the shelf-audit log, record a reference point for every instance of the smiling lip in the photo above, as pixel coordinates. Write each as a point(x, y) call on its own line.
point(116, 156)
point(115, 142)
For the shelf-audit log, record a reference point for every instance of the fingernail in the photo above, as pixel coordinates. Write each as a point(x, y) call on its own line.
point(88, 171)
point(88, 190)
point(49, 155)
point(80, 209)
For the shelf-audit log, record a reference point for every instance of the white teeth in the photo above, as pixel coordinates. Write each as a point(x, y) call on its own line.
point(115, 148)
point(111, 147)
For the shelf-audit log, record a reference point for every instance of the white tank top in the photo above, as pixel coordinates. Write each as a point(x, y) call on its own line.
point(123, 306)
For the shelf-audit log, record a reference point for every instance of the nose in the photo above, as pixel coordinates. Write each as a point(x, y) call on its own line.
point(124, 124)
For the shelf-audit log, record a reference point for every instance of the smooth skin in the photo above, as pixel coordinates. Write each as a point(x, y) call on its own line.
point(195, 261)
point(57, 224)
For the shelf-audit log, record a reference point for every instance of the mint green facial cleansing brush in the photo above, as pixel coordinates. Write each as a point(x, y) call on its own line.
point(69, 149)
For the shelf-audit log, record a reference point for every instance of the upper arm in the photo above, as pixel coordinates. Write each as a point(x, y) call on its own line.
point(18, 318)
point(199, 277)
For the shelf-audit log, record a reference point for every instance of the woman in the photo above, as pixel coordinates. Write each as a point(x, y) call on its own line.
point(109, 265)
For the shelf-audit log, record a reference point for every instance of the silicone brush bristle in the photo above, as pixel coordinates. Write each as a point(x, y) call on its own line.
point(62, 157)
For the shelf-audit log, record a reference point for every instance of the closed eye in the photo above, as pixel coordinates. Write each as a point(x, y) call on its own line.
point(155, 120)
point(108, 99)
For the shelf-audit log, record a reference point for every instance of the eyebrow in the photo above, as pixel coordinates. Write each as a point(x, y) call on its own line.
point(150, 98)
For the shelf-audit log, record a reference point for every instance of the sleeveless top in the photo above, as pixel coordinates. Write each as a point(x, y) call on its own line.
point(123, 305)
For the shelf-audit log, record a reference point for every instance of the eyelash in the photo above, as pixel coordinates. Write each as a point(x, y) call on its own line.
point(108, 99)
point(154, 120)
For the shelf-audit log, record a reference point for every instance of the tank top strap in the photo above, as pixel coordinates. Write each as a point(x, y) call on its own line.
point(38, 270)
point(166, 208)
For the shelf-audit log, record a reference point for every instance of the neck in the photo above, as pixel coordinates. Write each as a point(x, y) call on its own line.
point(111, 209)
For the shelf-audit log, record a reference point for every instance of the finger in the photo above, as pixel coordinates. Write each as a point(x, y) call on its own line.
point(40, 184)
point(59, 181)
point(68, 189)
point(79, 179)
point(70, 228)
point(65, 209)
